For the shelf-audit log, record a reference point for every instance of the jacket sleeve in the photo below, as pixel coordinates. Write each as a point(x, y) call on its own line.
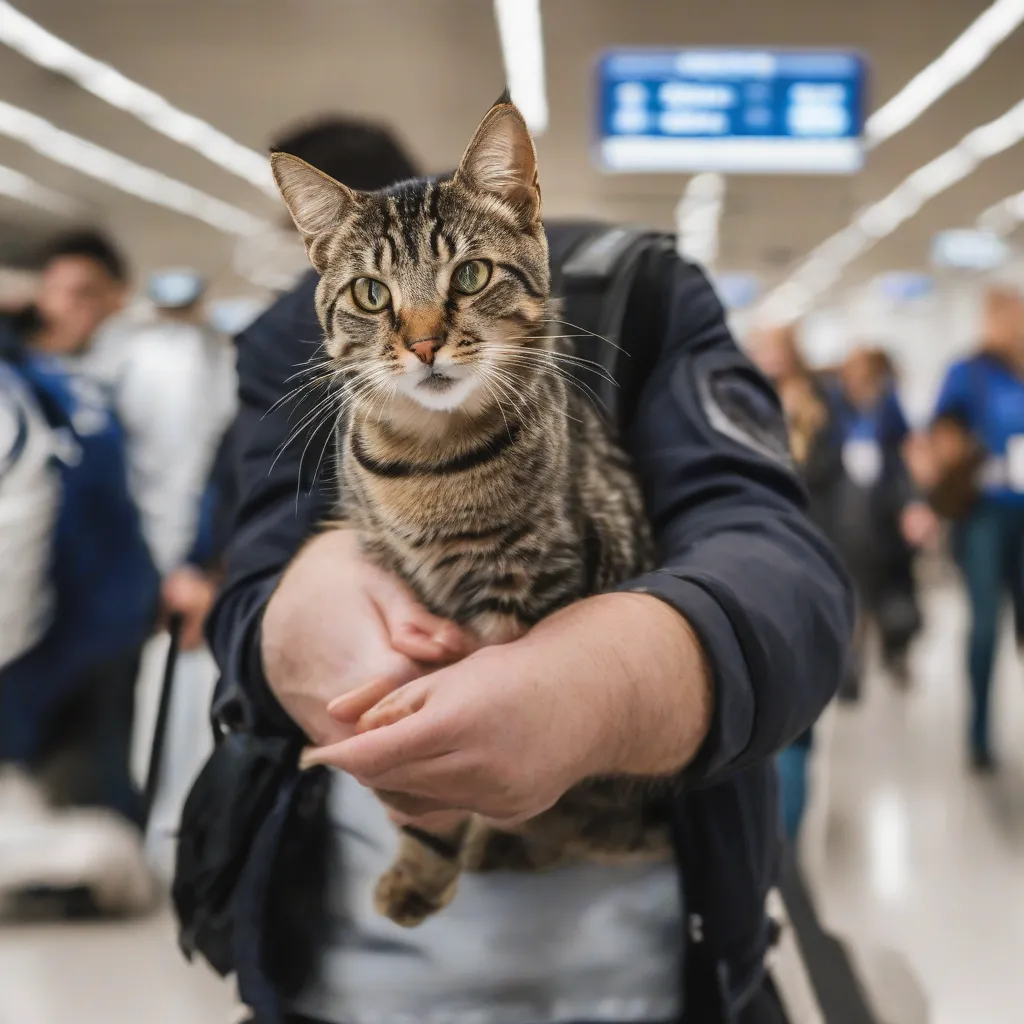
point(739, 557)
point(280, 475)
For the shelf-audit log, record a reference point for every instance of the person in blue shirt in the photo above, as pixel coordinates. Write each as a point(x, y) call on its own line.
point(979, 419)
point(67, 704)
point(876, 507)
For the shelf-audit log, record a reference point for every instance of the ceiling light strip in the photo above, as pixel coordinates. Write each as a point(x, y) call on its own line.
point(20, 186)
point(827, 261)
point(522, 48)
point(34, 42)
point(124, 174)
point(698, 216)
point(967, 52)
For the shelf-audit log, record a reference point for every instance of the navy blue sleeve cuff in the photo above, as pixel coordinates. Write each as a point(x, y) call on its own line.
point(732, 721)
point(245, 701)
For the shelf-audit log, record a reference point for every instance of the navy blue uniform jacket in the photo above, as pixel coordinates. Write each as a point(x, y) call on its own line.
point(739, 559)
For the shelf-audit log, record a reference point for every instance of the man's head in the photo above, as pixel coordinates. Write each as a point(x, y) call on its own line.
point(865, 375)
point(361, 155)
point(1003, 323)
point(177, 293)
point(84, 282)
point(776, 352)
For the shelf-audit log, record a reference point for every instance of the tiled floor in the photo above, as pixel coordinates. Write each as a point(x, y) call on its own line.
point(112, 974)
point(921, 866)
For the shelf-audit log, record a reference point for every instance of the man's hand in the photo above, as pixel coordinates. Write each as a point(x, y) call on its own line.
point(613, 684)
point(334, 622)
point(919, 525)
point(188, 592)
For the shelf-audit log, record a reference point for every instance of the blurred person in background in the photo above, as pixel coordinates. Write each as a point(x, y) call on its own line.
point(301, 918)
point(974, 470)
point(176, 394)
point(67, 704)
point(878, 516)
point(808, 413)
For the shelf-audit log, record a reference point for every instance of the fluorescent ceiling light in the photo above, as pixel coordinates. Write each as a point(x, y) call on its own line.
point(20, 186)
point(883, 217)
point(965, 54)
point(522, 48)
point(698, 214)
point(126, 175)
point(33, 41)
point(1005, 216)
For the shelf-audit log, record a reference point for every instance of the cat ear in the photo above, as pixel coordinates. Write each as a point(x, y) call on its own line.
point(501, 159)
point(315, 200)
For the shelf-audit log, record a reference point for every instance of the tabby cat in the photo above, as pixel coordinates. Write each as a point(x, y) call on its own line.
point(468, 465)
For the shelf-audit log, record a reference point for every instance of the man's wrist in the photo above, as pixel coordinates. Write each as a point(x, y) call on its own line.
point(639, 679)
point(667, 688)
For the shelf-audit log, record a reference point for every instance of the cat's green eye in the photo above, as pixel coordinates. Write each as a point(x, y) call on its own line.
point(370, 294)
point(472, 277)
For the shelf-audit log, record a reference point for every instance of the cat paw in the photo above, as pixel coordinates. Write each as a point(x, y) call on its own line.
point(399, 898)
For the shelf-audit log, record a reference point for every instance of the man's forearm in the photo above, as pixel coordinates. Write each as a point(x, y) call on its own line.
point(642, 665)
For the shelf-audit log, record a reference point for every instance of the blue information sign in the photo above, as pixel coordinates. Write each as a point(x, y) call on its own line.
point(734, 111)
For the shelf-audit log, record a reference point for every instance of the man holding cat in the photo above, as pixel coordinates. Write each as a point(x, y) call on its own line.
point(702, 669)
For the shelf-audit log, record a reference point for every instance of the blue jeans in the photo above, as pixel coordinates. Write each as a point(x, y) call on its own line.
point(792, 765)
point(989, 548)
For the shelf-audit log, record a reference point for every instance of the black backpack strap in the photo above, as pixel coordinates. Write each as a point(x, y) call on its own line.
point(611, 281)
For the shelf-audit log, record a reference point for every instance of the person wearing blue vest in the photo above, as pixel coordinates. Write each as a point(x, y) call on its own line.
point(878, 515)
point(67, 703)
point(979, 423)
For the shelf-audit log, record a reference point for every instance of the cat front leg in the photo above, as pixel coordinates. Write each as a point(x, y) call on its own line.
point(425, 874)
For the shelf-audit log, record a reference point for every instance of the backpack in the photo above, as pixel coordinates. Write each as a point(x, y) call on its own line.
point(607, 276)
point(101, 579)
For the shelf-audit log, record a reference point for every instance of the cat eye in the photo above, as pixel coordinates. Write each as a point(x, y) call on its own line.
point(471, 277)
point(370, 294)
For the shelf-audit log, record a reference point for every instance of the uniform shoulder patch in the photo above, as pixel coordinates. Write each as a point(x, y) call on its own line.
point(738, 403)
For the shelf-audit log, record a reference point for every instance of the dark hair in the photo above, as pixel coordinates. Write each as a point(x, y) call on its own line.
point(90, 245)
point(359, 154)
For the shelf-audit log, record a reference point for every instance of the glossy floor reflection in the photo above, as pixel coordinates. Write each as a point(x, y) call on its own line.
point(919, 863)
point(106, 974)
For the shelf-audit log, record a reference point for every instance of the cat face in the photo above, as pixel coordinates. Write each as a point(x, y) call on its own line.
point(432, 290)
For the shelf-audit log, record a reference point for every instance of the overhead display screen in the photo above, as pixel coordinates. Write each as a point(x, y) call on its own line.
point(967, 249)
point(733, 111)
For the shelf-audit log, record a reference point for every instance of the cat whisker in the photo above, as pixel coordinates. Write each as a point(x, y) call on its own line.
point(313, 419)
point(502, 373)
point(591, 334)
point(497, 400)
point(508, 387)
point(297, 392)
point(568, 378)
point(328, 437)
point(566, 357)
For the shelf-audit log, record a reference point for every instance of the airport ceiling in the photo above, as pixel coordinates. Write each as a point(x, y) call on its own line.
point(433, 66)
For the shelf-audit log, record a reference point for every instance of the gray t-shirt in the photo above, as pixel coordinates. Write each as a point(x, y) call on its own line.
point(584, 943)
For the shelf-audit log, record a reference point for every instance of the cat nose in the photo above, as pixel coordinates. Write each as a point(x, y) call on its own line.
point(424, 349)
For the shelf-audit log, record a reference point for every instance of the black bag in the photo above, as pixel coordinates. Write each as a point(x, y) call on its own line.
point(222, 815)
point(957, 492)
point(605, 275)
